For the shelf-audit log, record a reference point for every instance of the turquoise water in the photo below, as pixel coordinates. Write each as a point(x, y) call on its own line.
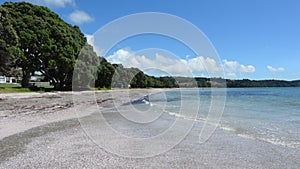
point(268, 114)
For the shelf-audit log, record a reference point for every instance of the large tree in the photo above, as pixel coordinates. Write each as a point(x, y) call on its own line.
point(105, 74)
point(49, 44)
point(9, 42)
point(85, 72)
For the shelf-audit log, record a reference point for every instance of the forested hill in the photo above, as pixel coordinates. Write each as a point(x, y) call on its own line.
point(116, 76)
point(206, 82)
point(262, 83)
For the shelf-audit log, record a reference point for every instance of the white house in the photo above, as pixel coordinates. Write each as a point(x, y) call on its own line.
point(2, 79)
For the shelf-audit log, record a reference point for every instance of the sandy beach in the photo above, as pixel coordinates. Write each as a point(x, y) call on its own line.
point(43, 131)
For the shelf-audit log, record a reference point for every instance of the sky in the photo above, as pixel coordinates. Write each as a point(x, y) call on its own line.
point(255, 39)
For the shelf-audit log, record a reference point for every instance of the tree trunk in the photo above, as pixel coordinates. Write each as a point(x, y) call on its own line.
point(57, 85)
point(25, 79)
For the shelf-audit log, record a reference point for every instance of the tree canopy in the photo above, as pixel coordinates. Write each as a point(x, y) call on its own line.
point(8, 43)
point(86, 68)
point(48, 44)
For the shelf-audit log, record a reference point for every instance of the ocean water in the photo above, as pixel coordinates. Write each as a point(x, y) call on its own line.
point(268, 114)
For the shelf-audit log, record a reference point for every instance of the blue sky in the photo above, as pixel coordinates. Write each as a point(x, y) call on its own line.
point(256, 39)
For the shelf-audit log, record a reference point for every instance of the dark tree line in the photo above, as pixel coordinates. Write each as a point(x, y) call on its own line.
point(116, 76)
point(219, 82)
point(262, 83)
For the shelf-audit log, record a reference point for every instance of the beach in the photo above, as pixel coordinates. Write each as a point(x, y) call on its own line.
point(42, 130)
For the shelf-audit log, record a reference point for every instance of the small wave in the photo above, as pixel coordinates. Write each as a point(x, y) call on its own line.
point(198, 119)
point(279, 142)
point(227, 128)
point(274, 141)
point(247, 136)
point(175, 114)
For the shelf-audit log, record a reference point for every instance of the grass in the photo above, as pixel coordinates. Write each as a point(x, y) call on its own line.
point(12, 88)
point(46, 87)
point(9, 85)
point(17, 88)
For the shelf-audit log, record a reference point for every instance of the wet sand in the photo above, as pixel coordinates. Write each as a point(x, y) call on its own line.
point(42, 131)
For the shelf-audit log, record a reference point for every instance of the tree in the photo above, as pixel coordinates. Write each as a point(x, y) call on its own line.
point(49, 44)
point(9, 42)
point(105, 74)
point(139, 80)
point(123, 76)
point(86, 68)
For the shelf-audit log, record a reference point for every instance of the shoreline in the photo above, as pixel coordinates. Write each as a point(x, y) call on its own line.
point(23, 111)
point(43, 131)
point(223, 149)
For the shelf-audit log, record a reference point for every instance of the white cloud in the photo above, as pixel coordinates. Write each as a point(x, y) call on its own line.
point(80, 17)
point(233, 67)
point(272, 69)
point(247, 69)
point(179, 67)
point(201, 64)
point(157, 64)
point(90, 39)
point(54, 3)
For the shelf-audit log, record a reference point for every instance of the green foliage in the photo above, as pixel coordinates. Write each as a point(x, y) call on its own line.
point(9, 42)
point(219, 82)
point(123, 77)
point(116, 76)
point(105, 74)
point(85, 72)
point(7, 32)
point(49, 44)
point(139, 80)
point(261, 83)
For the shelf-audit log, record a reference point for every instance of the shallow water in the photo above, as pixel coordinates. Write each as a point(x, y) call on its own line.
point(268, 114)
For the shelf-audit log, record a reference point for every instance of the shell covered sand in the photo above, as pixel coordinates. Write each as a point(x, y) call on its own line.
point(42, 131)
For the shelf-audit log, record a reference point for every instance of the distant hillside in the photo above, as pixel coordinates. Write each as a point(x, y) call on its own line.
point(262, 83)
point(206, 82)
point(188, 82)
